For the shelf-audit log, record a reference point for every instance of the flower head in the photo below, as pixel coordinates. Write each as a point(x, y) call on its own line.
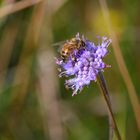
point(83, 64)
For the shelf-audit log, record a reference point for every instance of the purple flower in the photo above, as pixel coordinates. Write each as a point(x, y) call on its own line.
point(86, 64)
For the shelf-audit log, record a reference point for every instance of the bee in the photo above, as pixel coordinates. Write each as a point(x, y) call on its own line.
point(70, 46)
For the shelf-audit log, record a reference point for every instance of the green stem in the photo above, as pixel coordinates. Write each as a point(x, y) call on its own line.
point(112, 122)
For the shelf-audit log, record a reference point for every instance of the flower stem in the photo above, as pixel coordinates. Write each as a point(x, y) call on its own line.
point(112, 122)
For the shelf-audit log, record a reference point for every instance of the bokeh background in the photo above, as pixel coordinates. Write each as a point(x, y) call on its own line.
point(34, 104)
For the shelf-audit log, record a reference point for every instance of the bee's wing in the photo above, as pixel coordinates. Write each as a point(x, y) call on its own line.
point(59, 45)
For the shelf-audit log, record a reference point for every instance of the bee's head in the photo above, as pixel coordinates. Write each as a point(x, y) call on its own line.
point(83, 43)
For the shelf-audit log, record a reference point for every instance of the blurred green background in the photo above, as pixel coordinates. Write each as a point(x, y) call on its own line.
point(34, 104)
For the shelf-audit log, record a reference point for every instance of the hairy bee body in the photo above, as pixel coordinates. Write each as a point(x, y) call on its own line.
point(70, 46)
